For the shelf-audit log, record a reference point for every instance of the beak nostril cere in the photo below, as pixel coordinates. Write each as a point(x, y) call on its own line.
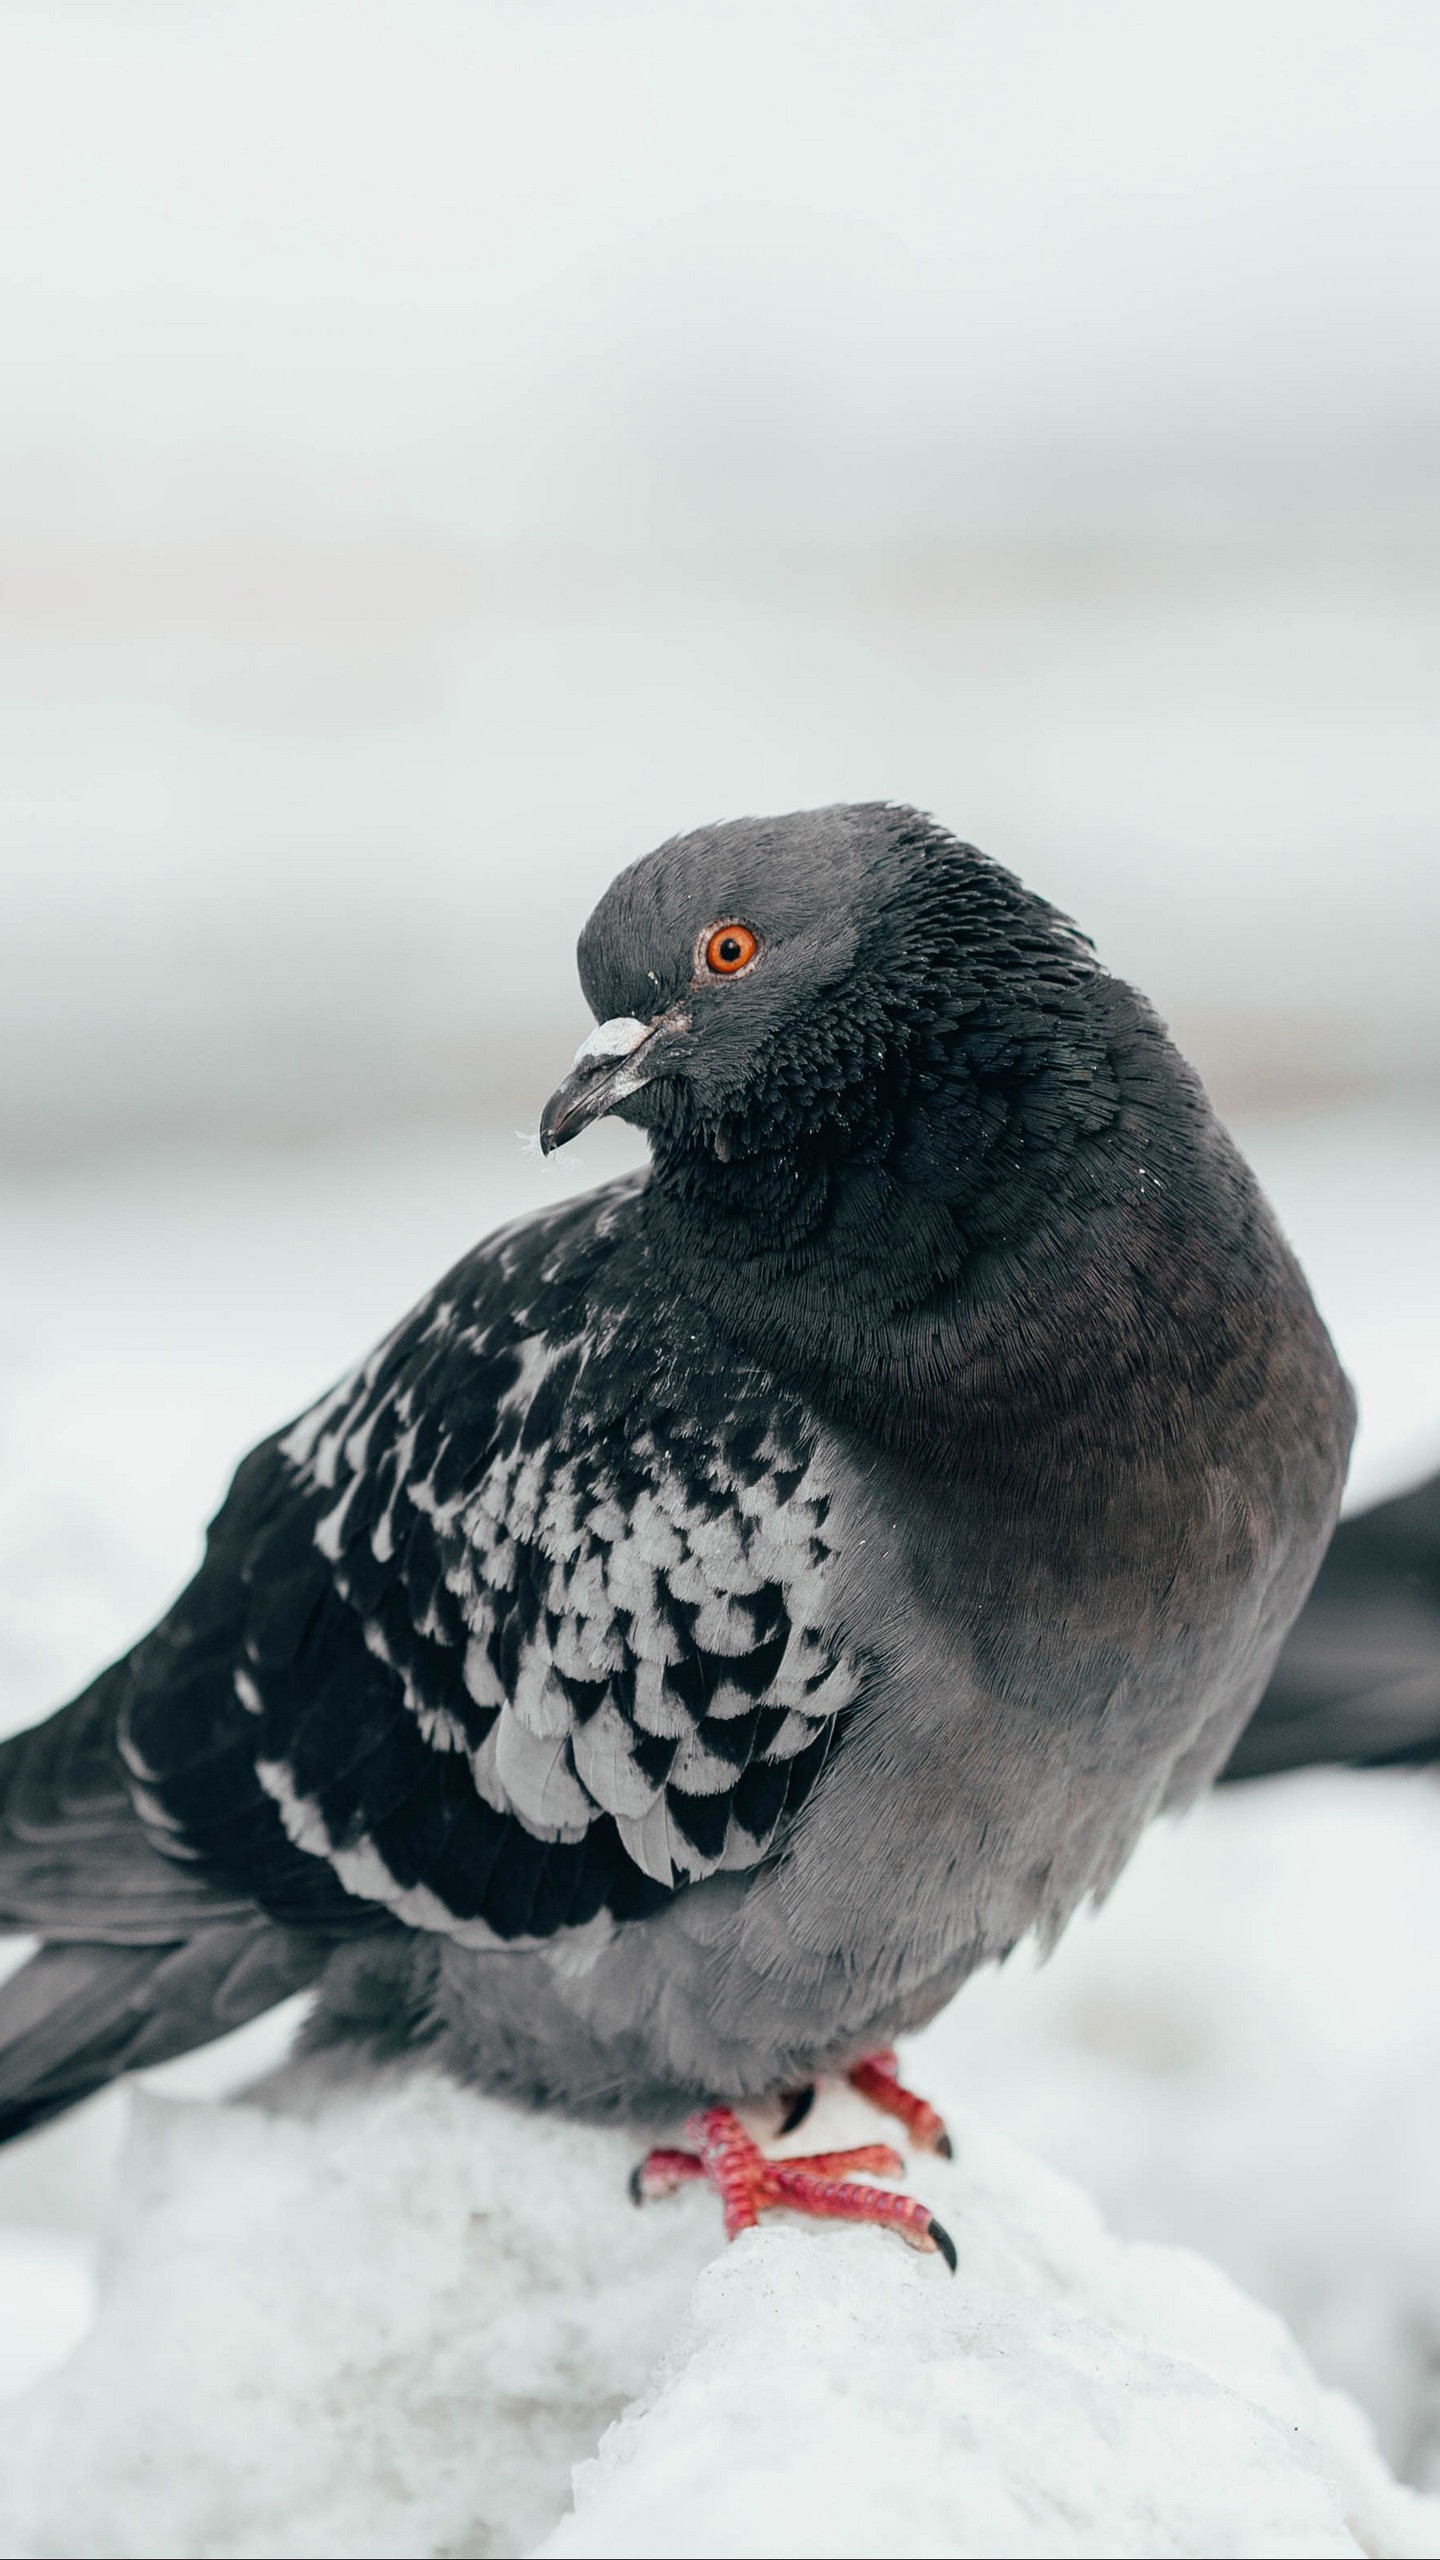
point(613, 1039)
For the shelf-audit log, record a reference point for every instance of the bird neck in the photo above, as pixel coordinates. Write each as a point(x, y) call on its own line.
point(1002, 1233)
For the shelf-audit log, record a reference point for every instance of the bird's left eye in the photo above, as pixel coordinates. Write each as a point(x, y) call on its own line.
point(729, 948)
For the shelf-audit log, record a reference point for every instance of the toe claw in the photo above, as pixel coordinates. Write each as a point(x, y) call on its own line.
point(943, 2147)
point(797, 2103)
point(941, 2240)
point(661, 2172)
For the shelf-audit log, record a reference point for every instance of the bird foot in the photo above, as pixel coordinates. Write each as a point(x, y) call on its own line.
point(826, 2184)
point(878, 2079)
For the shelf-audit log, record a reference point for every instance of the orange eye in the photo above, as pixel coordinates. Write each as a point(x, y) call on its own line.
point(729, 948)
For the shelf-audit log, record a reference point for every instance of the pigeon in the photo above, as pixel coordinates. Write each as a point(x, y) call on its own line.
point(740, 1602)
point(1358, 1681)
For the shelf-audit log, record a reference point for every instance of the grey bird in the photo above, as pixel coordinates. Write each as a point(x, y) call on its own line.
point(734, 1605)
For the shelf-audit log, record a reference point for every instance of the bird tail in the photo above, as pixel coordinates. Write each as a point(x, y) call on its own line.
point(144, 1959)
point(1358, 1682)
point(77, 2015)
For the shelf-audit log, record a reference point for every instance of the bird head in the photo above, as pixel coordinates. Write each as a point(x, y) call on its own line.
point(786, 981)
point(700, 959)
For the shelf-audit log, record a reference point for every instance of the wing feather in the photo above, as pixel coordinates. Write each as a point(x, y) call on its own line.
point(512, 1640)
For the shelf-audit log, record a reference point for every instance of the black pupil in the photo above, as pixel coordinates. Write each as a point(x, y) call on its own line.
point(731, 948)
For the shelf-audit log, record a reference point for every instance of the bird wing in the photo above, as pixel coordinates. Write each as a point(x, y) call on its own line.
point(525, 1626)
point(1359, 1678)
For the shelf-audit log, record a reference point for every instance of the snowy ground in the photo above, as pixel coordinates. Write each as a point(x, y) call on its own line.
point(398, 2324)
point(1238, 2054)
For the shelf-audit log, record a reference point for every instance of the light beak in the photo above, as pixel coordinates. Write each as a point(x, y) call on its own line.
point(608, 1066)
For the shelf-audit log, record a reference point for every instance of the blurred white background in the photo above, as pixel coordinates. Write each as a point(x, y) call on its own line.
point(451, 444)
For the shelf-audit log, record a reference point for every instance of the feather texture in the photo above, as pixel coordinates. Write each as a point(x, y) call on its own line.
point(513, 1644)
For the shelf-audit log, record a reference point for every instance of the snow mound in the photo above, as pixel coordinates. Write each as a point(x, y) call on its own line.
point(1068, 2393)
point(396, 2322)
point(392, 2324)
point(1239, 2054)
point(47, 2302)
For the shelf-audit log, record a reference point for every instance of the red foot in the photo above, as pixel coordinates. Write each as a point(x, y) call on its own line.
point(822, 2184)
point(878, 2079)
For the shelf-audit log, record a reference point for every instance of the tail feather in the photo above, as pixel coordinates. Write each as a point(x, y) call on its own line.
point(75, 2016)
point(144, 1959)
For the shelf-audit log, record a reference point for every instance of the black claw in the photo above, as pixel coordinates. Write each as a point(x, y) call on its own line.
point(944, 2147)
point(943, 2243)
point(797, 2107)
point(637, 2188)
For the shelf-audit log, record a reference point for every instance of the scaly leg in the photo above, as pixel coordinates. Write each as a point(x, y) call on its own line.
point(824, 2184)
point(878, 2079)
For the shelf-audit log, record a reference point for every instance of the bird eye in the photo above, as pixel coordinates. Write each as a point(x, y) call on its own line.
point(729, 948)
